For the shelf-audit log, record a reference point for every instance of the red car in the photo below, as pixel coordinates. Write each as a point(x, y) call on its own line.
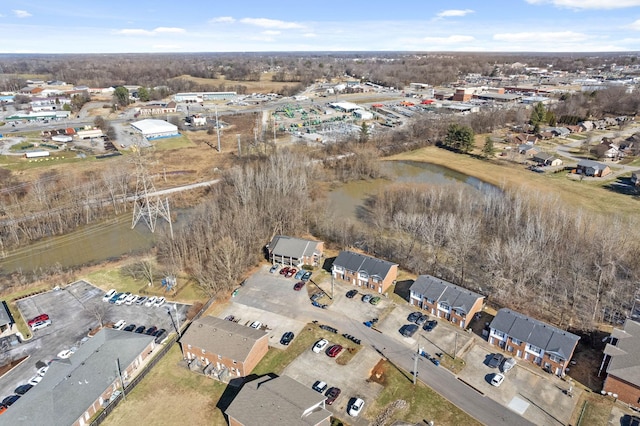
point(291, 272)
point(334, 351)
point(298, 286)
point(284, 270)
point(41, 317)
point(332, 394)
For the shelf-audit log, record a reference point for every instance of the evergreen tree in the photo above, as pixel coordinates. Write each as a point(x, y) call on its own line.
point(488, 150)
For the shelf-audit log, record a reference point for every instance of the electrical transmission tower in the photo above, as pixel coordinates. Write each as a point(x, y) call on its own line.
point(147, 202)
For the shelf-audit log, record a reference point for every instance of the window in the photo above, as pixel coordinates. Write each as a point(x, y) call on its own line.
point(444, 305)
point(556, 358)
point(534, 349)
point(498, 333)
point(516, 341)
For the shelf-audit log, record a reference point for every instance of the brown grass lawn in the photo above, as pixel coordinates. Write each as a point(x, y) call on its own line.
point(590, 195)
point(265, 85)
point(597, 410)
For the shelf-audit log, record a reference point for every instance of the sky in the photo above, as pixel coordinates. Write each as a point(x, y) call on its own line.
point(117, 26)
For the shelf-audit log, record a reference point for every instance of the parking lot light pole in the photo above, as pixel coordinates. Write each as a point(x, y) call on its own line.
point(172, 321)
point(175, 307)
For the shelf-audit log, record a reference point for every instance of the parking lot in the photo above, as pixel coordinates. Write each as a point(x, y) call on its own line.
point(74, 311)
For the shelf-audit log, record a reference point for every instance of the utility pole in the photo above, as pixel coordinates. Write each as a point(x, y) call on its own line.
point(124, 396)
point(218, 130)
point(415, 368)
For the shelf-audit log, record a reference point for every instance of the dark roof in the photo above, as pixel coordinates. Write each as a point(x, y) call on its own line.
point(282, 245)
point(537, 333)
point(5, 314)
point(542, 156)
point(592, 164)
point(222, 337)
point(625, 362)
point(438, 290)
point(362, 263)
point(278, 401)
point(72, 385)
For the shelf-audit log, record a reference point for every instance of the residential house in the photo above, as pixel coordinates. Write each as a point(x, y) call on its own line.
point(445, 300)
point(294, 251)
point(76, 388)
point(622, 363)
point(545, 159)
point(561, 132)
point(364, 271)
point(278, 401)
point(223, 349)
point(607, 150)
point(592, 168)
point(586, 126)
point(635, 178)
point(532, 340)
point(528, 150)
point(523, 138)
point(574, 128)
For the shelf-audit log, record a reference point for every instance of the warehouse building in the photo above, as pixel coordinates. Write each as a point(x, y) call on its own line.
point(155, 129)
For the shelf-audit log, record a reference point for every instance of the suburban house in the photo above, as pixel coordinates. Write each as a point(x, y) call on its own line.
point(223, 349)
point(277, 401)
point(532, 340)
point(528, 150)
point(364, 271)
point(445, 300)
point(76, 388)
point(622, 363)
point(523, 138)
point(592, 168)
point(545, 159)
point(606, 149)
point(294, 251)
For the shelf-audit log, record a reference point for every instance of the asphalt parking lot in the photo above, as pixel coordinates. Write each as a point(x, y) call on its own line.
point(72, 313)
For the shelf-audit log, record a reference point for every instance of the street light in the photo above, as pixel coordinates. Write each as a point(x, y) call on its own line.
point(177, 327)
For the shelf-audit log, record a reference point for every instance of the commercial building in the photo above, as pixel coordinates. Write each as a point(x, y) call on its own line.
point(204, 96)
point(155, 129)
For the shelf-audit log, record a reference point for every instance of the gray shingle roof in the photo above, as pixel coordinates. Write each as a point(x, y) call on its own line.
point(593, 164)
point(625, 362)
point(222, 337)
point(537, 333)
point(72, 385)
point(357, 262)
point(277, 401)
point(438, 290)
point(5, 314)
point(282, 245)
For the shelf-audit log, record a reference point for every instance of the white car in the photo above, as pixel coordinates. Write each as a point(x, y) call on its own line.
point(319, 386)
point(256, 324)
point(131, 299)
point(320, 345)
point(35, 380)
point(356, 407)
point(108, 295)
point(497, 379)
point(40, 324)
point(159, 302)
point(42, 371)
point(64, 354)
point(122, 298)
point(141, 300)
point(150, 301)
point(120, 325)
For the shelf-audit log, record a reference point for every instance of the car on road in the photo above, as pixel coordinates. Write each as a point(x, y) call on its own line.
point(41, 317)
point(334, 351)
point(159, 302)
point(408, 330)
point(423, 318)
point(508, 364)
point(355, 407)
point(119, 325)
point(299, 274)
point(332, 394)
point(319, 386)
point(496, 360)
point(140, 329)
point(22, 389)
point(151, 330)
point(40, 324)
point(352, 293)
point(150, 301)
point(287, 338)
point(497, 379)
point(274, 268)
point(64, 354)
point(430, 325)
point(320, 345)
point(298, 286)
point(284, 270)
point(413, 316)
point(130, 327)
point(122, 298)
point(130, 299)
point(375, 300)
point(366, 298)
point(291, 272)
point(256, 325)
point(108, 295)
point(115, 298)
point(307, 276)
point(8, 401)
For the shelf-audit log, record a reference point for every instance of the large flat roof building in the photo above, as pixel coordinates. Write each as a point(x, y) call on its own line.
point(155, 129)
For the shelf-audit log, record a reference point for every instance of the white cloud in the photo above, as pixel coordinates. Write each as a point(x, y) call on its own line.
point(541, 37)
point(270, 23)
point(635, 25)
point(21, 13)
point(271, 32)
point(452, 39)
point(589, 4)
point(172, 30)
point(222, 20)
point(454, 12)
point(309, 35)
point(142, 32)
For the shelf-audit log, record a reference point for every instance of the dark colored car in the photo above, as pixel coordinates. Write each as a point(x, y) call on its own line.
point(287, 338)
point(140, 329)
point(332, 394)
point(151, 330)
point(41, 317)
point(413, 316)
point(298, 286)
point(8, 401)
point(430, 325)
point(496, 360)
point(422, 319)
point(352, 293)
point(291, 272)
point(306, 276)
point(160, 335)
point(408, 330)
point(22, 389)
point(334, 351)
point(284, 270)
point(130, 327)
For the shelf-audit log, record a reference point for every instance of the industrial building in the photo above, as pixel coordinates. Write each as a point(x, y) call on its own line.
point(204, 96)
point(155, 129)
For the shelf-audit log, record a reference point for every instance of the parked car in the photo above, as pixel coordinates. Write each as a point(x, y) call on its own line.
point(108, 295)
point(274, 268)
point(8, 401)
point(141, 300)
point(508, 364)
point(496, 360)
point(43, 370)
point(307, 276)
point(159, 302)
point(352, 293)
point(151, 330)
point(497, 379)
point(320, 345)
point(355, 408)
point(140, 329)
point(122, 298)
point(35, 380)
point(319, 386)
point(256, 325)
point(40, 324)
point(413, 316)
point(332, 394)
point(115, 297)
point(130, 299)
point(130, 327)
point(284, 270)
point(22, 389)
point(408, 330)
point(430, 325)
point(287, 338)
point(299, 274)
point(119, 325)
point(290, 273)
point(423, 318)
point(64, 354)
point(150, 301)
point(334, 351)
point(375, 300)
point(366, 298)
point(39, 318)
point(160, 335)
point(298, 286)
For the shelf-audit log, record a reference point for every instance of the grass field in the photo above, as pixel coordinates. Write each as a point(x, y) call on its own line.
point(596, 410)
point(265, 85)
